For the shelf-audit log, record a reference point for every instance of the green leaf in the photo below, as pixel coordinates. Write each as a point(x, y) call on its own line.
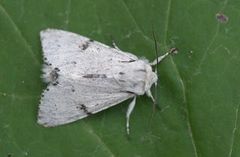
point(198, 88)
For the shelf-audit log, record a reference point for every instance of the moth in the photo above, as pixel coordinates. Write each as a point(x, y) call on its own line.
point(85, 77)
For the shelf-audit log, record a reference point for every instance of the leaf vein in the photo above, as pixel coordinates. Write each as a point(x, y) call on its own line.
point(67, 13)
point(234, 132)
point(135, 22)
point(99, 139)
point(198, 69)
point(189, 125)
point(17, 30)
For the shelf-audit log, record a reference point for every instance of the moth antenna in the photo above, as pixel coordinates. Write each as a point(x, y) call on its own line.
point(156, 70)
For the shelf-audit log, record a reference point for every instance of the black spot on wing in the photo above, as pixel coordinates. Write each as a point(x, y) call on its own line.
point(95, 76)
point(134, 85)
point(129, 61)
point(57, 69)
point(83, 108)
point(141, 70)
point(55, 83)
point(84, 46)
point(129, 92)
point(89, 113)
point(121, 80)
point(47, 63)
point(74, 62)
point(54, 74)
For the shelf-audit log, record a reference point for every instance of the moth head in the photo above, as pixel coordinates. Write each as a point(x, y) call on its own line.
point(151, 77)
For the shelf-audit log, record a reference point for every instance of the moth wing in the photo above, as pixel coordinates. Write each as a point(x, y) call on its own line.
point(71, 100)
point(66, 48)
point(90, 77)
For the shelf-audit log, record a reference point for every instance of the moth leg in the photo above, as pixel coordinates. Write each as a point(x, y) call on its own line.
point(129, 111)
point(149, 94)
point(115, 45)
point(160, 58)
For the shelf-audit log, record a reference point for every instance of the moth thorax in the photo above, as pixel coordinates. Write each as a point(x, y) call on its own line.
point(151, 78)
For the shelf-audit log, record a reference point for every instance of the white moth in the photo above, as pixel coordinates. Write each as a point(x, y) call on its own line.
point(85, 77)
